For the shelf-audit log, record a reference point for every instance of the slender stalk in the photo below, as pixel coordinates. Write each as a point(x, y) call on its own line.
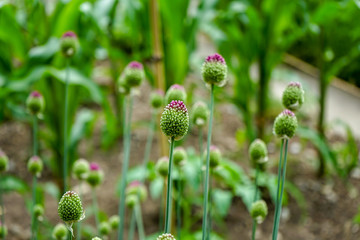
point(139, 222)
point(278, 208)
point(65, 157)
point(178, 208)
point(255, 198)
point(2, 210)
point(79, 223)
point(169, 188)
point(127, 144)
point(96, 210)
point(148, 144)
point(210, 209)
point(201, 141)
point(161, 215)
point(132, 225)
point(35, 152)
point(206, 188)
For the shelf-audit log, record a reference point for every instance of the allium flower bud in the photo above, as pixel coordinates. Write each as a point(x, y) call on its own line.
point(96, 238)
point(179, 156)
point(174, 121)
point(157, 99)
point(215, 156)
point(175, 92)
point(138, 189)
point(214, 70)
point(285, 124)
point(38, 210)
point(162, 166)
point(200, 114)
point(258, 152)
point(35, 103)
point(104, 228)
point(166, 236)
point(133, 74)
point(95, 175)
point(114, 221)
point(293, 96)
point(60, 232)
point(35, 165)
point(259, 211)
point(4, 162)
point(131, 201)
point(3, 230)
point(70, 208)
point(124, 88)
point(69, 43)
point(81, 169)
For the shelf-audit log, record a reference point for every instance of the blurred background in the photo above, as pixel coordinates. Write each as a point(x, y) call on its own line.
point(266, 45)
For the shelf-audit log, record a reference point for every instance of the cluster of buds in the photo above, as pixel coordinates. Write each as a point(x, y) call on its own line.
point(179, 156)
point(293, 96)
point(166, 236)
point(135, 192)
point(258, 152)
point(95, 176)
point(35, 103)
point(131, 77)
point(259, 211)
point(214, 70)
point(175, 92)
point(200, 114)
point(285, 124)
point(157, 99)
point(162, 166)
point(174, 121)
point(35, 166)
point(4, 162)
point(68, 44)
point(81, 169)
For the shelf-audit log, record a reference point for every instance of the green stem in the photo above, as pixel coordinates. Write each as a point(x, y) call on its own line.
point(96, 210)
point(255, 198)
point(65, 161)
point(161, 215)
point(139, 222)
point(200, 141)
point(2, 211)
point(132, 225)
point(127, 143)
point(35, 152)
point(178, 208)
point(79, 223)
point(277, 221)
point(169, 189)
point(35, 131)
point(148, 144)
point(206, 189)
point(210, 209)
point(253, 230)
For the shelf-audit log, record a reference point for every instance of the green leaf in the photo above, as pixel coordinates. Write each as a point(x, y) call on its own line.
point(156, 187)
point(222, 201)
point(12, 183)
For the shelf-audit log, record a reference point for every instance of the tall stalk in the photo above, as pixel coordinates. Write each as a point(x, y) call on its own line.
point(139, 221)
point(255, 198)
point(2, 211)
point(79, 223)
point(96, 210)
point(206, 188)
point(169, 189)
point(125, 166)
point(65, 157)
point(132, 225)
point(178, 208)
point(35, 152)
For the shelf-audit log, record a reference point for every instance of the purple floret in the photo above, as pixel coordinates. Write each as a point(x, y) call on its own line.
point(135, 64)
point(295, 84)
point(177, 104)
point(177, 86)
point(215, 58)
point(94, 167)
point(35, 94)
point(69, 34)
point(288, 113)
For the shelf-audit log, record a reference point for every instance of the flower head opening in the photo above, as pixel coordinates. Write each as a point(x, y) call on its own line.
point(68, 34)
point(94, 166)
point(136, 65)
point(215, 58)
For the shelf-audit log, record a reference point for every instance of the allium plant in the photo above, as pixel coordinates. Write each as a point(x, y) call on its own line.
point(293, 96)
point(166, 236)
point(174, 123)
point(214, 71)
point(199, 116)
point(60, 232)
point(4, 165)
point(175, 92)
point(131, 78)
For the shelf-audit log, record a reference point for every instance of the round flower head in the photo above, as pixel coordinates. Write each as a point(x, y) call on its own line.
point(157, 99)
point(258, 152)
point(131, 201)
point(285, 124)
point(259, 211)
point(215, 156)
point(35, 103)
point(70, 209)
point(38, 210)
point(179, 156)
point(60, 232)
point(133, 74)
point(174, 121)
point(214, 70)
point(200, 114)
point(166, 236)
point(114, 221)
point(175, 92)
point(138, 189)
point(81, 169)
point(35, 165)
point(293, 96)
point(162, 166)
point(96, 238)
point(104, 228)
point(4, 162)
point(68, 44)
point(95, 175)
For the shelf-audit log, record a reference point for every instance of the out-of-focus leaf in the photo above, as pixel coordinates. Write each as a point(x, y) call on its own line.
point(222, 200)
point(11, 183)
point(52, 189)
point(156, 187)
point(45, 52)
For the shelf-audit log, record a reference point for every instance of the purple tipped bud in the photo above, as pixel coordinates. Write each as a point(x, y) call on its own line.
point(174, 120)
point(285, 124)
point(135, 64)
point(35, 165)
point(35, 103)
point(68, 44)
point(214, 70)
point(175, 92)
point(293, 96)
point(95, 176)
point(133, 75)
point(138, 189)
point(215, 58)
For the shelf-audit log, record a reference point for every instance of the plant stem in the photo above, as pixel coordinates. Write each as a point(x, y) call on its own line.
point(65, 161)
point(278, 208)
point(169, 188)
point(79, 223)
point(255, 198)
point(96, 210)
point(148, 144)
point(2, 210)
point(178, 208)
point(132, 225)
point(161, 215)
point(139, 222)
point(253, 230)
point(206, 188)
point(200, 141)
point(35, 152)
point(127, 144)
point(210, 209)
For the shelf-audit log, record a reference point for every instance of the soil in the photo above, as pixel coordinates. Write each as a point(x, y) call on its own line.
point(331, 203)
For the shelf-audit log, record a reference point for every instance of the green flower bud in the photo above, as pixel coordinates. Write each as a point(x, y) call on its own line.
point(200, 114)
point(35, 103)
point(162, 166)
point(70, 208)
point(4, 162)
point(133, 74)
point(131, 201)
point(96, 238)
point(95, 176)
point(157, 99)
point(174, 121)
point(179, 156)
point(114, 221)
point(68, 44)
point(175, 92)
point(60, 232)
point(138, 189)
point(293, 96)
point(38, 210)
point(285, 124)
point(124, 88)
point(81, 169)
point(166, 236)
point(258, 152)
point(215, 156)
point(35, 165)
point(259, 211)
point(3, 230)
point(104, 228)
point(214, 70)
